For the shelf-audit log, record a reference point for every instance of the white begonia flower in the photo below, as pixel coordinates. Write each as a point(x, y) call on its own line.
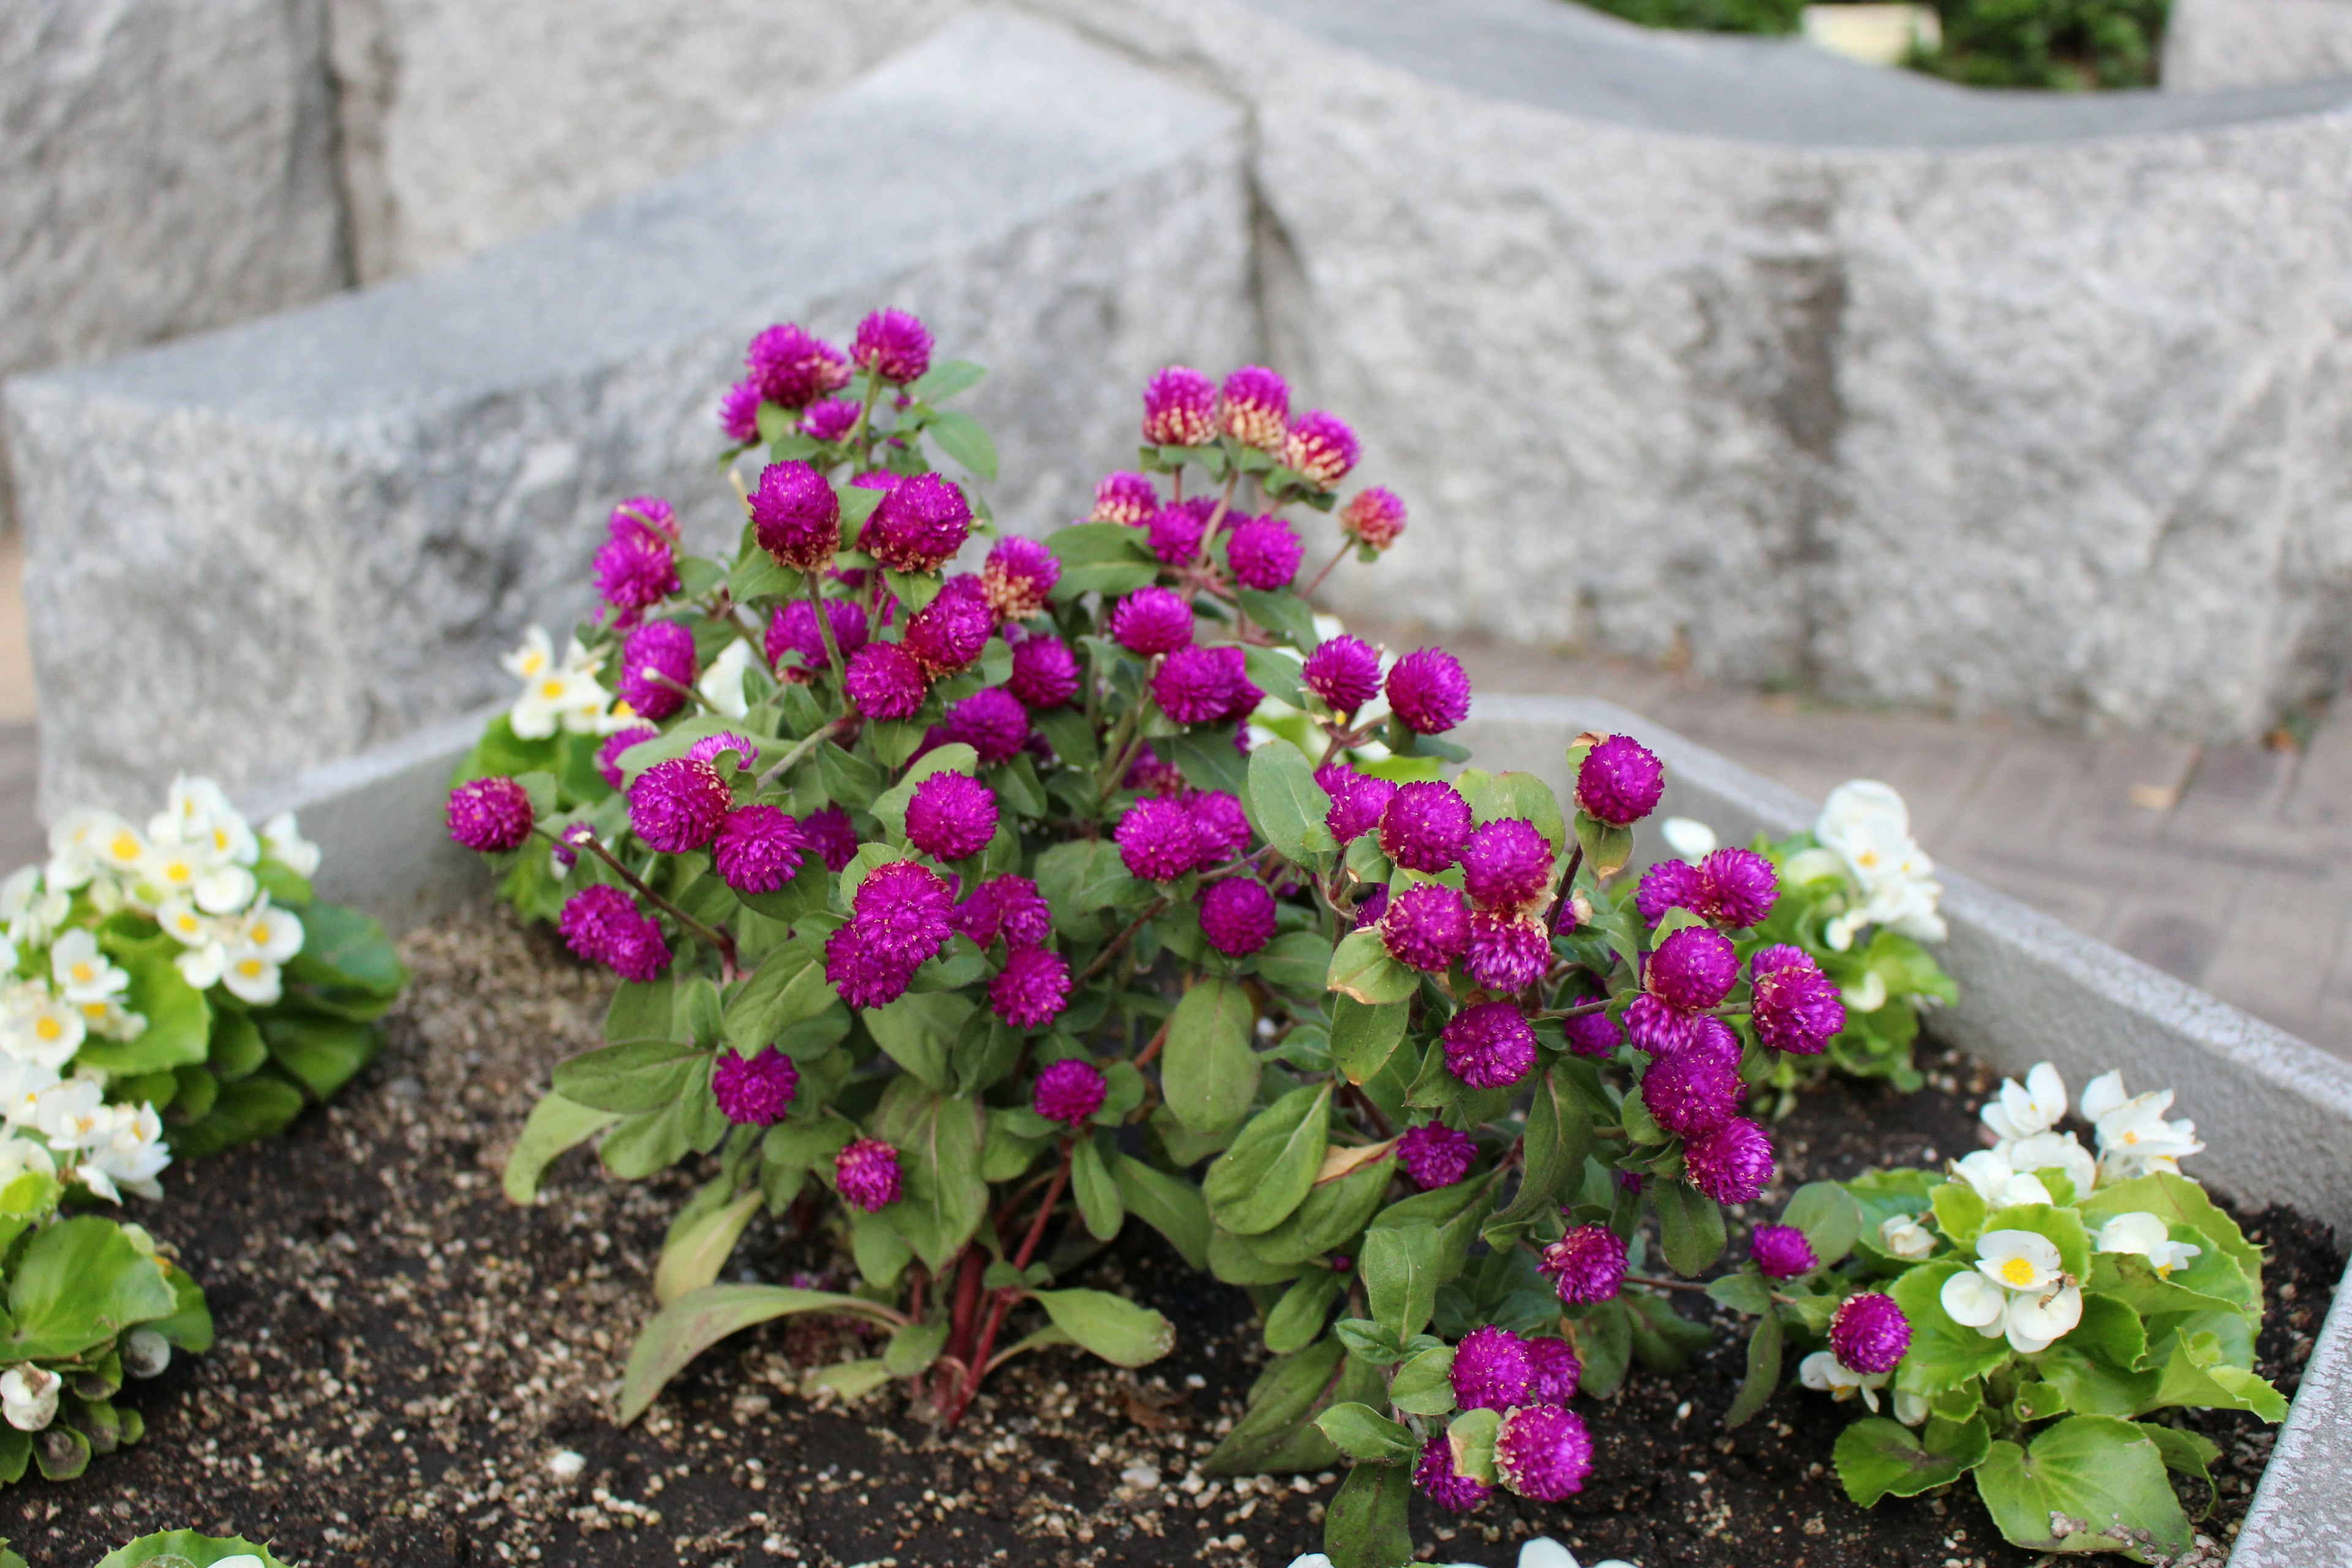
point(1912, 1409)
point(722, 684)
point(253, 979)
point(1823, 1374)
point(73, 1114)
point(2134, 1138)
point(1866, 825)
point(2036, 1321)
point(1975, 1302)
point(203, 966)
point(534, 658)
point(39, 1027)
point(1689, 838)
point(73, 847)
point(2147, 1235)
point(2025, 1109)
point(2102, 1095)
point(21, 1083)
point(110, 1020)
point(1813, 865)
point(2044, 1303)
point(121, 847)
point(132, 1154)
point(2055, 1151)
point(1867, 997)
point(1995, 1180)
point(82, 972)
point(274, 934)
point(1905, 1237)
point(2020, 1260)
point(33, 910)
point(28, 1396)
point(284, 837)
point(17, 893)
point(18, 1155)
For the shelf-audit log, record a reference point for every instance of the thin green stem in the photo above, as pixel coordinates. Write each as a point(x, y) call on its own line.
point(720, 943)
point(801, 749)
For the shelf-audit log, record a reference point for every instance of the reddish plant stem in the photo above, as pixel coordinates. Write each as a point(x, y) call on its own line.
point(1144, 1058)
point(1345, 545)
point(959, 1328)
point(977, 1363)
point(1102, 960)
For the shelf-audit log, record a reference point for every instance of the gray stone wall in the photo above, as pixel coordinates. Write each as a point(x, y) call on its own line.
point(2213, 45)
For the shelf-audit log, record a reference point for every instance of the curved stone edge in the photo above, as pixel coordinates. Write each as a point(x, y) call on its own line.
point(2219, 45)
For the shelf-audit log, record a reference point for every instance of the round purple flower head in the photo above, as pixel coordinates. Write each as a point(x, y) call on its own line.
point(1508, 953)
point(644, 517)
point(635, 572)
point(1586, 1265)
point(1435, 1155)
point(894, 345)
point(1006, 906)
point(951, 631)
point(1345, 672)
point(830, 420)
point(1491, 1370)
point(759, 850)
point(863, 970)
point(1506, 864)
point(656, 659)
point(918, 525)
point(828, 833)
point(1426, 926)
point(793, 367)
point(1068, 1093)
point(1375, 517)
point(1442, 1484)
point(1150, 621)
point(1180, 408)
point(1556, 1372)
point(1031, 993)
point(1656, 1026)
point(1795, 1008)
point(1429, 691)
point(1489, 1046)
point(1425, 826)
point(1150, 773)
point(608, 755)
point(1321, 446)
point(1543, 1452)
point(1158, 839)
point(738, 412)
point(1358, 800)
point(1017, 577)
point(1202, 685)
point(1255, 407)
point(867, 1174)
point(1263, 553)
point(796, 517)
point(1694, 968)
point(906, 908)
point(1122, 496)
point(1044, 672)
point(793, 629)
point(1238, 916)
point(1731, 1165)
point(491, 816)
point(1618, 781)
point(678, 805)
point(1174, 533)
point(1869, 1333)
point(951, 815)
point(755, 1092)
point(886, 681)
point(1741, 886)
point(1781, 1252)
point(1370, 906)
point(1670, 885)
point(601, 923)
point(1223, 824)
point(1594, 1034)
point(991, 720)
point(1695, 1088)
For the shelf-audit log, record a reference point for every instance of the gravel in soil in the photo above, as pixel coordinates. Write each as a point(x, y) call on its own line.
point(412, 1371)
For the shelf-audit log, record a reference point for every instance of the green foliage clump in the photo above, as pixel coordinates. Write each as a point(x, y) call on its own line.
point(2070, 45)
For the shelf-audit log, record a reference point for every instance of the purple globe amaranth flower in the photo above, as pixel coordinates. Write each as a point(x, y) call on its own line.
point(1506, 864)
point(1123, 497)
point(991, 721)
point(1489, 1046)
point(1158, 839)
point(1741, 886)
point(636, 573)
point(884, 681)
point(1792, 1004)
point(1869, 1333)
point(1007, 906)
point(1656, 1026)
point(906, 908)
point(1374, 517)
point(1442, 1484)
point(1508, 953)
point(1695, 1088)
point(657, 667)
point(608, 754)
point(918, 525)
point(1321, 446)
point(1203, 685)
point(1263, 553)
point(1669, 885)
point(635, 951)
point(1151, 621)
point(894, 345)
point(1174, 533)
point(1180, 408)
point(863, 971)
point(950, 632)
point(678, 806)
point(951, 815)
point(1223, 824)
point(1371, 906)
point(754, 1092)
point(1426, 926)
point(1044, 672)
point(1556, 1371)
point(738, 412)
point(793, 367)
point(1491, 1370)
point(1345, 672)
point(1543, 1452)
point(1428, 690)
point(1238, 916)
point(1586, 1265)
point(1425, 826)
point(1694, 968)
point(1359, 801)
point(1731, 1165)
point(1068, 1093)
point(1018, 577)
point(1781, 1252)
point(1435, 1155)
point(796, 517)
point(759, 850)
point(1150, 773)
point(568, 844)
point(877, 479)
point(491, 814)
point(829, 833)
point(867, 1174)
point(601, 922)
point(1253, 408)
point(830, 420)
point(1618, 781)
point(1031, 992)
point(793, 629)
point(1594, 1034)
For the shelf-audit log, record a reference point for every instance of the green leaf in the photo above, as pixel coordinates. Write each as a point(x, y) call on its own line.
point(918, 1031)
point(1285, 1396)
point(1606, 850)
point(1118, 1330)
point(179, 1019)
point(1690, 1228)
point(643, 1074)
point(78, 1284)
point(1295, 963)
point(1330, 1218)
point(197, 1551)
point(237, 1048)
point(849, 779)
point(915, 1347)
point(759, 575)
point(2196, 1373)
point(2098, 1473)
point(1208, 1071)
point(1285, 612)
point(640, 1011)
point(1255, 1185)
point(2177, 1200)
point(1296, 1320)
point(1366, 1526)
point(1208, 760)
point(322, 1054)
point(939, 1140)
point(1472, 1433)
point(1828, 1216)
point(2185, 1453)
point(1559, 1138)
point(1876, 1458)
point(1742, 1292)
point(1943, 1354)
point(1424, 1385)
point(1362, 969)
point(1275, 674)
point(1363, 1036)
point(1097, 1193)
point(788, 988)
point(555, 1125)
point(1959, 1214)
point(256, 1107)
point(961, 437)
point(190, 1326)
point(701, 1319)
point(1362, 1433)
point(700, 1240)
point(1288, 805)
point(1496, 796)
point(1233, 1260)
point(881, 1252)
point(1082, 876)
point(945, 379)
point(1109, 578)
point(345, 950)
point(1168, 1205)
point(1763, 1378)
point(1400, 1269)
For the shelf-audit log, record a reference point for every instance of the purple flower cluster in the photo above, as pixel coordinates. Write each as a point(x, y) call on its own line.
point(991, 721)
point(608, 755)
point(866, 1175)
point(894, 345)
point(1359, 801)
point(1263, 553)
point(1731, 1165)
point(1869, 1333)
point(1163, 836)
point(830, 420)
point(1425, 826)
point(1543, 1452)
point(636, 567)
point(831, 836)
point(758, 849)
point(1557, 1370)
point(1694, 968)
point(1122, 496)
point(1734, 888)
point(950, 632)
point(1694, 1088)
point(1491, 1369)
point(1151, 621)
point(756, 1092)
point(1018, 577)
point(678, 806)
point(1435, 1155)
point(1069, 1091)
point(1374, 517)
point(1174, 533)
point(900, 918)
point(658, 667)
point(1618, 781)
point(1254, 409)
point(951, 815)
point(1507, 865)
point(795, 516)
point(793, 629)
point(1443, 1485)
point(1781, 1252)
point(884, 681)
point(1044, 672)
point(1180, 408)
point(491, 816)
point(603, 925)
point(1792, 1004)
point(1426, 926)
point(1595, 1035)
point(1345, 672)
point(1321, 448)
point(793, 368)
point(921, 523)
point(1488, 1046)
point(1238, 916)
point(1205, 685)
point(1586, 1265)
point(1429, 691)
point(1507, 951)
point(1008, 907)
point(1031, 989)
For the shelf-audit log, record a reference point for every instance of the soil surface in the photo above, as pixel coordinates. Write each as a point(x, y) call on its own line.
point(413, 1372)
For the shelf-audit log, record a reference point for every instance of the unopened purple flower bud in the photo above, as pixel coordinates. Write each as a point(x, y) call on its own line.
point(918, 525)
point(1429, 691)
point(1586, 1265)
point(952, 817)
point(1489, 1046)
point(1426, 926)
point(866, 1175)
point(1068, 1093)
point(759, 850)
point(1693, 968)
point(1345, 672)
point(796, 517)
point(1594, 1034)
point(894, 345)
point(678, 806)
point(1425, 826)
point(1358, 800)
point(1018, 577)
point(1741, 886)
point(1507, 951)
point(1263, 553)
point(608, 755)
point(1732, 1164)
point(1491, 1370)
point(1158, 839)
point(1794, 1007)
point(1180, 408)
point(491, 816)
point(1202, 685)
point(886, 681)
point(1557, 1370)
point(831, 836)
point(738, 412)
point(1869, 1333)
point(991, 720)
point(756, 1092)
point(1122, 496)
point(1238, 916)
point(1435, 1155)
point(1442, 1484)
point(1375, 517)
point(1254, 409)
point(1618, 781)
point(1030, 994)
point(1506, 864)
point(1151, 621)
point(1781, 1252)
point(793, 367)
point(658, 668)
point(1044, 672)
point(1543, 1452)
point(1321, 446)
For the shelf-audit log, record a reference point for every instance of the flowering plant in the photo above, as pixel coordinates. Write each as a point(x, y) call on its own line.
point(176, 1548)
point(2027, 1315)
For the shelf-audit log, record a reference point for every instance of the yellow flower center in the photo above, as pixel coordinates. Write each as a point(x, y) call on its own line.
point(96, 1011)
point(2131, 1138)
point(261, 933)
point(551, 690)
point(2017, 1273)
point(251, 968)
point(84, 973)
point(48, 1028)
point(125, 847)
point(178, 871)
point(532, 663)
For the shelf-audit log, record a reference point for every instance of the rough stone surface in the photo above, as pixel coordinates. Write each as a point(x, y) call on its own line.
point(2211, 45)
point(466, 125)
point(273, 547)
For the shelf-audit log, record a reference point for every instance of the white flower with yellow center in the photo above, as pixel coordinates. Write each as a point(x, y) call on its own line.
point(266, 938)
point(287, 846)
point(73, 1114)
point(110, 1020)
point(1905, 1237)
point(21, 1083)
point(2149, 1236)
point(39, 1027)
point(82, 971)
point(33, 910)
point(1999, 1184)
point(131, 1154)
point(555, 694)
point(119, 848)
point(1865, 824)
point(74, 844)
point(203, 941)
point(2022, 1109)
point(28, 1396)
point(2134, 1137)
point(1824, 1373)
point(2060, 1152)
point(18, 1155)
point(2019, 1288)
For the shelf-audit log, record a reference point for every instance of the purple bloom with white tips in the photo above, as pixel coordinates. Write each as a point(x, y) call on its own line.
point(1425, 826)
point(1731, 1165)
point(1429, 691)
point(1507, 951)
point(1345, 672)
point(1238, 916)
point(1543, 1452)
point(1122, 496)
point(952, 817)
point(866, 1175)
point(1618, 781)
point(1442, 1484)
point(1069, 1091)
point(1781, 1252)
point(1263, 553)
point(491, 816)
point(1031, 993)
point(1018, 577)
point(1489, 1046)
point(1253, 408)
point(658, 668)
point(894, 345)
point(1869, 1333)
point(1435, 1155)
point(1426, 926)
point(1491, 1370)
point(754, 1092)
point(1586, 1265)
point(758, 849)
point(1793, 1006)
point(1375, 518)
point(678, 806)
point(1180, 408)
point(1741, 886)
point(1322, 447)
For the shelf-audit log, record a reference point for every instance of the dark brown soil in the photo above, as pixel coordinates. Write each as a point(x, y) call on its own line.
point(403, 1353)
